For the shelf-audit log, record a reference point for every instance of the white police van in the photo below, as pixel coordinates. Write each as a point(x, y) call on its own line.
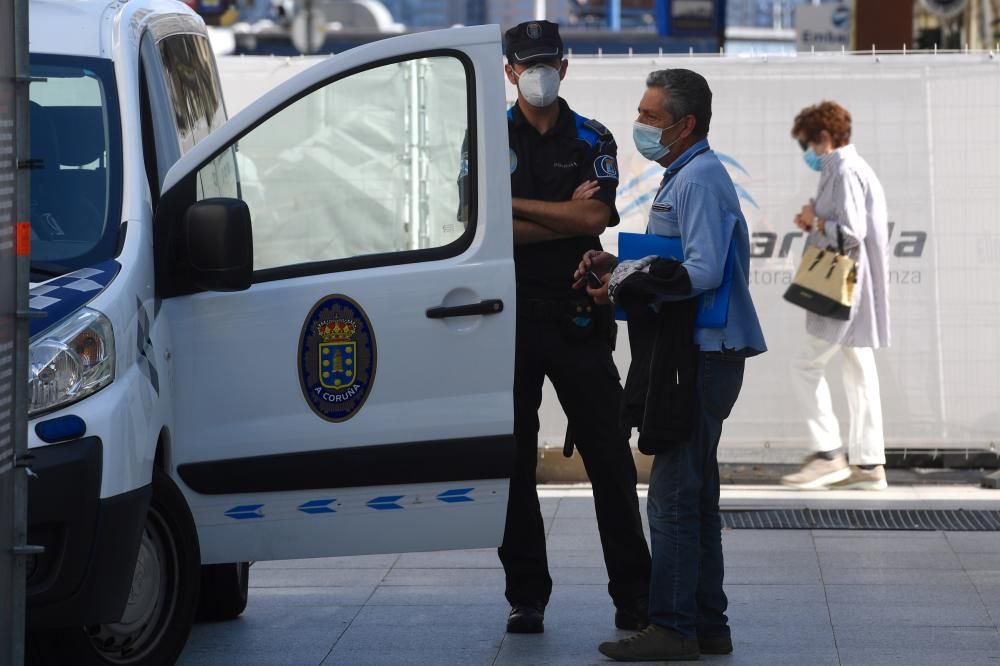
point(285, 335)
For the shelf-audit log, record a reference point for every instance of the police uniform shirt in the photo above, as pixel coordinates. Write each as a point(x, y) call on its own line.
point(549, 167)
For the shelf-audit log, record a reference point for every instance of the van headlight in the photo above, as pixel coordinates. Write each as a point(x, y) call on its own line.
point(73, 360)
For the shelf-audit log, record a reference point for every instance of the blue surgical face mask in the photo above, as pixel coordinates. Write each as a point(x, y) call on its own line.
point(647, 140)
point(814, 161)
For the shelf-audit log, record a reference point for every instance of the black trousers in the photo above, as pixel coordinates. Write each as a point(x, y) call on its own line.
point(589, 390)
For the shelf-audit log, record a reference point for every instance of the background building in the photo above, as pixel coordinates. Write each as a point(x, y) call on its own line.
point(511, 12)
point(741, 27)
point(438, 13)
point(977, 24)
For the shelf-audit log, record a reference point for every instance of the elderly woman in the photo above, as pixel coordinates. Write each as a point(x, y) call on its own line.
point(849, 205)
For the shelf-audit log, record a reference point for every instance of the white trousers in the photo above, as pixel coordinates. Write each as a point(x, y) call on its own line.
point(866, 442)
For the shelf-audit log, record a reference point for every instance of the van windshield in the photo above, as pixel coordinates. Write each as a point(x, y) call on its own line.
point(76, 179)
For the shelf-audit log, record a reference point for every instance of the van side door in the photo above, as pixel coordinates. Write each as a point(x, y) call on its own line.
point(356, 398)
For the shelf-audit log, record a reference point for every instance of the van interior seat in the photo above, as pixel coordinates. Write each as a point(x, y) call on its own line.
point(71, 183)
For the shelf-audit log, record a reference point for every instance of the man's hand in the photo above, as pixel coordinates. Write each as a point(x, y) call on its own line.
point(600, 262)
point(600, 295)
point(586, 190)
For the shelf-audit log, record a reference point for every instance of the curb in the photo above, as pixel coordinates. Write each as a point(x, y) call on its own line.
point(554, 468)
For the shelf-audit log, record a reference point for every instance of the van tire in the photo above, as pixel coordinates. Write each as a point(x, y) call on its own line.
point(224, 589)
point(161, 612)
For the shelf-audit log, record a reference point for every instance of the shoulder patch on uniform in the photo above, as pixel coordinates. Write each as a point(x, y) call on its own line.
point(601, 130)
point(606, 167)
point(585, 132)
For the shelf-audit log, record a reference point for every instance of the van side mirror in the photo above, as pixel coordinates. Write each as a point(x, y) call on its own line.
point(217, 244)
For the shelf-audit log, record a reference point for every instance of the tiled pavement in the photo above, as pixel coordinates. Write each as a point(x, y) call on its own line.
point(796, 597)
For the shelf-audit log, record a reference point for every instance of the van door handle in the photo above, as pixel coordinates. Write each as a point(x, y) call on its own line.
point(489, 306)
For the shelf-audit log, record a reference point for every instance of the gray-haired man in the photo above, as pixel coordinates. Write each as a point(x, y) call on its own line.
point(697, 202)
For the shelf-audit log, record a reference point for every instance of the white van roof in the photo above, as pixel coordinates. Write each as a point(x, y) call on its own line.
point(86, 27)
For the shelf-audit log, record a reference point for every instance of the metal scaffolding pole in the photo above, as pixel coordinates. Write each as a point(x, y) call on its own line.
point(14, 267)
point(8, 305)
point(411, 124)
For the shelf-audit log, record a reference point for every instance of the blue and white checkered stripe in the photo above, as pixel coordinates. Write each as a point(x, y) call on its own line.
point(330, 505)
point(62, 296)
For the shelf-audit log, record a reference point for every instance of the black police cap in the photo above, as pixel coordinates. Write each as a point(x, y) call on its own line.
point(533, 40)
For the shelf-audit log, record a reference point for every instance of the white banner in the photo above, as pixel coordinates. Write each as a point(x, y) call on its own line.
point(929, 127)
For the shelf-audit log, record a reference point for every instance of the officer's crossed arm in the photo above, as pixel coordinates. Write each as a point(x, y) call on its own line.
point(526, 231)
point(591, 209)
point(577, 217)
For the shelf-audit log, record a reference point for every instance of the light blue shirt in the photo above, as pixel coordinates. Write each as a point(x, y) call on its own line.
point(698, 202)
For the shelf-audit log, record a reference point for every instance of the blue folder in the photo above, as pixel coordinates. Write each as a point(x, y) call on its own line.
point(713, 306)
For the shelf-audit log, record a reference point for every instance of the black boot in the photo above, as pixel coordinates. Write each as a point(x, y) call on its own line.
point(631, 619)
point(526, 619)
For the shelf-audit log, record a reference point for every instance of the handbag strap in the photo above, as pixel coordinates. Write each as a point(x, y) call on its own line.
point(840, 240)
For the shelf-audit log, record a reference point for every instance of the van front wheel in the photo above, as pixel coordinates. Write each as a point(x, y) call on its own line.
point(162, 602)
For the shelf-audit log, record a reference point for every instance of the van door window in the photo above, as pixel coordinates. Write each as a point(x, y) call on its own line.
point(371, 164)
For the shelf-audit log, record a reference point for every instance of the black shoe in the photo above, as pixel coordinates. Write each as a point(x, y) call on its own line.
point(652, 644)
point(632, 619)
point(715, 644)
point(525, 620)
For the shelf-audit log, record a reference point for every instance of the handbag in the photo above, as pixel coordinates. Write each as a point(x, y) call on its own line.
point(824, 282)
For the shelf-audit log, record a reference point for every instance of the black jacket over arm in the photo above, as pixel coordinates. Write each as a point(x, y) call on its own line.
point(660, 390)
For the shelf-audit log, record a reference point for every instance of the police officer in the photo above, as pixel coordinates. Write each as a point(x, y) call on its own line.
point(563, 176)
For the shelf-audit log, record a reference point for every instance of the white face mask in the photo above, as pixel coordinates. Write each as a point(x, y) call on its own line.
point(539, 85)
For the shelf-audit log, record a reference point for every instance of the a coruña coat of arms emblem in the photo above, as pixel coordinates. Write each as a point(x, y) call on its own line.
point(337, 357)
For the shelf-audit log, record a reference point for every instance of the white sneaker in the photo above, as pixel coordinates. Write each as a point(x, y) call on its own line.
point(818, 472)
point(863, 479)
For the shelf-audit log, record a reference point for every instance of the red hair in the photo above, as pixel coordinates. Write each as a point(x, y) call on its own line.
point(829, 116)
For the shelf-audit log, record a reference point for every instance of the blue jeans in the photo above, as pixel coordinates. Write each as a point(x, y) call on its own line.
point(685, 593)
